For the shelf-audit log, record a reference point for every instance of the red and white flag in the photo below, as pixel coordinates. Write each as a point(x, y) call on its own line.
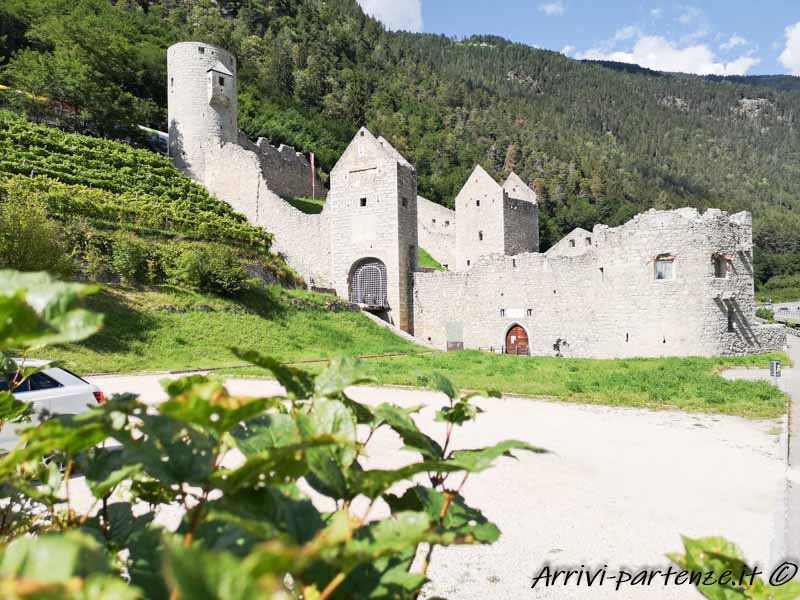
point(313, 178)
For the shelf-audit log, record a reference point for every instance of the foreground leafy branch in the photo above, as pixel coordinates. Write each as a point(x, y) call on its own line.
point(237, 468)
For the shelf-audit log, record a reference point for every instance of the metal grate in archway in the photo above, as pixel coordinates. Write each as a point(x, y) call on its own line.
point(368, 284)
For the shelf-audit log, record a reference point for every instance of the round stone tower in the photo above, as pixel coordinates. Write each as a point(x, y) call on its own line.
point(202, 103)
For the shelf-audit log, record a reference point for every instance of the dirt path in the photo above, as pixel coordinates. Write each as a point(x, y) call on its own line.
point(619, 488)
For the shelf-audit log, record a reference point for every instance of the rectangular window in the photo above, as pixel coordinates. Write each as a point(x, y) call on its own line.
point(722, 266)
point(467, 262)
point(665, 267)
point(530, 312)
point(502, 312)
point(447, 223)
point(588, 241)
point(730, 319)
point(201, 50)
point(572, 243)
point(404, 202)
point(363, 202)
point(222, 81)
point(433, 221)
point(477, 202)
point(480, 236)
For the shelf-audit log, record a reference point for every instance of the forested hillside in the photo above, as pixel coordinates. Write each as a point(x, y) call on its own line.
point(598, 142)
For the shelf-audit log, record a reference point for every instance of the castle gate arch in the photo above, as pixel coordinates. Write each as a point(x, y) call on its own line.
point(367, 283)
point(516, 341)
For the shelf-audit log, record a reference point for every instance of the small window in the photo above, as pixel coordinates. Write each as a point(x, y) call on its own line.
point(201, 50)
point(404, 202)
point(480, 236)
point(433, 221)
point(665, 267)
point(447, 223)
point(361, 133)
point(467, 262)
point(363, 202)
point(477, 202)
point(731, 328)
point(514, 262)
point(588, 241)
point(40, 381)
point(722, 266)
point(222, 81)
point(530, 312)
point(502, 312)
point(171, 82)
point(572, 243)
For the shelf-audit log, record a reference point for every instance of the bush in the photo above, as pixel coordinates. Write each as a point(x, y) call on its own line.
point(29, 241)
point(129, 258)
point(766, 314)
point(211, 268)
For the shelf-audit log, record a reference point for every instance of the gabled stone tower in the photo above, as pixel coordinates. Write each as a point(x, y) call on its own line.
point(372, 212)
point(202, 103)
point(495, 219)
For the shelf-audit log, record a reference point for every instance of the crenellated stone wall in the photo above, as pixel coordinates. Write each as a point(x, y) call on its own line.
point(288, 173)
point(602, 298)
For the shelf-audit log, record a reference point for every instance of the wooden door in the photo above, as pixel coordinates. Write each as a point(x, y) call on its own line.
point(517, 341)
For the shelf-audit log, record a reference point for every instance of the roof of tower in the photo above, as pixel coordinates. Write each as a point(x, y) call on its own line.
point(379, 144)
point(218, 67)
point(518, 189)
point(479, 173)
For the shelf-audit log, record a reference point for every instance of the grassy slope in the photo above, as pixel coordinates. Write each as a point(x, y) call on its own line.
point(171, 329)
point(690, 384)
point(425, 260)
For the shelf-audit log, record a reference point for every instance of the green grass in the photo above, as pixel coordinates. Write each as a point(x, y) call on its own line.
point(690, 384)
point(171, 329)
point(307, 205)
point(427, 261)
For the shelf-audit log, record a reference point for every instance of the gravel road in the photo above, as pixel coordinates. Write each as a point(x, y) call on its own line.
point(618, 489)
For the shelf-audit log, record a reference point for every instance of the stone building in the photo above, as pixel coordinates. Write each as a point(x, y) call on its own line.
point(666, 283)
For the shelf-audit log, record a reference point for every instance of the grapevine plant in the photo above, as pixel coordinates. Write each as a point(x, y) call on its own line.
point(240, 470)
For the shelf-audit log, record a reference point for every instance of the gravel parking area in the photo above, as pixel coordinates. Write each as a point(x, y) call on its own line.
point(618, 489)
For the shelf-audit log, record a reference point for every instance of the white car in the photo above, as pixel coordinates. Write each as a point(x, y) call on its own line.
point(54, 391)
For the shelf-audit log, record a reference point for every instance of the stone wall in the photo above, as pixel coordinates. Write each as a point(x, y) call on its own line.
point(436, 231)
point(235, 174)
point(288, 173)
point(521, 220)
point(603, 299)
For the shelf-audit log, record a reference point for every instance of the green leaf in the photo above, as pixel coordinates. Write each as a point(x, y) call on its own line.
point(341, 374)
point(299, 385)
point(265, 432)
point(375, 482)
point(400, 421)
point(442, 384)
point(13, 410)
point(481, 459)
point(327, 464)
point(461, 523)
point(396, 534)
point(104, 469)
point(385, 578)
point(458, 414)
point(36, 310)
point(54, 558)
point(208, 404)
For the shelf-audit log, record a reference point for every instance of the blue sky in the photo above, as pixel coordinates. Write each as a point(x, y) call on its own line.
point(728, 37)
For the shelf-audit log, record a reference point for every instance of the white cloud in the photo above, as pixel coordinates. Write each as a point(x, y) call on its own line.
point(790, 57)
point(658, 53)
point(567, 50)
point(395, 14)
point(733, 42)
point(689, 14)
point(626, 33)
point(656, 13)
point(552, 8)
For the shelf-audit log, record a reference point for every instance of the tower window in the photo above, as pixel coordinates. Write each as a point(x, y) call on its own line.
point(433, 221)
point(480, 236)
point(171, 82)
point(477, 202)
point(530, 312)
point(572, 243)
point(363, 202)
point(467, 262)
point(502, 312)
point(664, 267)
point(588, 241)
point(222, 81)
point(447, 223)
point(730, 319)
point(201, 50)
point(722, 266)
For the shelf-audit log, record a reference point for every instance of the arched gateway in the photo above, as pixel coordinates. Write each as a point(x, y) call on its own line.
point(368, 284)
point(517, 340)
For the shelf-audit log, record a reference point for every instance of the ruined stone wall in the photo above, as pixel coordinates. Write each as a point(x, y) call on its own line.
point(235, 174)
point(436, 231)
point(288, 173)
point(521, 226)
point(602, 299)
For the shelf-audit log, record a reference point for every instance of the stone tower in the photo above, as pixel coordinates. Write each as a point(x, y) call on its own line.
point(372, 207)
point(202, 103)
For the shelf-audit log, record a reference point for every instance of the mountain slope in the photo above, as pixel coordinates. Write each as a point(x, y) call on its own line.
point(599, 142)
